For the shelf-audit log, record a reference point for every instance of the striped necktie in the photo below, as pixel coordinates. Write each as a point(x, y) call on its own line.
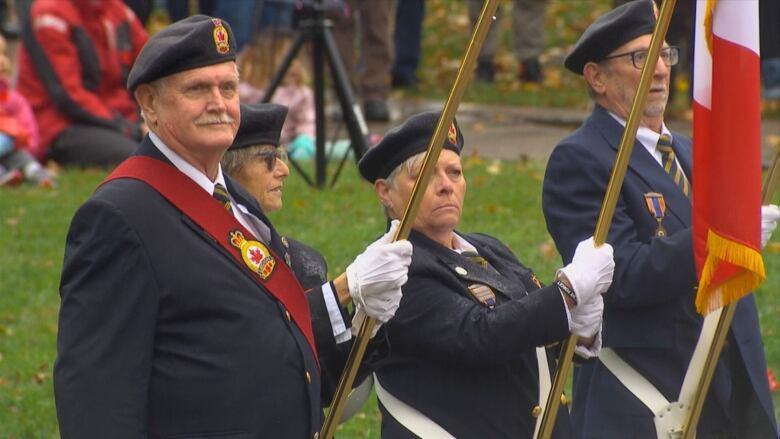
point(221, 195)
point(669, 163)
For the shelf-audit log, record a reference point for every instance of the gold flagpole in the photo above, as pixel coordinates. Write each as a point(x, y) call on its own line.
point(610, 201)
point(772, 178)
point(724, 323)
point(431, 157)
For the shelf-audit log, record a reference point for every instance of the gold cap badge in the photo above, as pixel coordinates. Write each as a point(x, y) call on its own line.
point(452, 134)
point(221, 39)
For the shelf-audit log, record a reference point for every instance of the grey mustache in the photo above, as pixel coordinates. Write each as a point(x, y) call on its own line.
point(215, 119)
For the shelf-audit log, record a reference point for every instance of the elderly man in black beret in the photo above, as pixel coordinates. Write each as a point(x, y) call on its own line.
point(467, 357)
point(650, 324)
point(180, 316)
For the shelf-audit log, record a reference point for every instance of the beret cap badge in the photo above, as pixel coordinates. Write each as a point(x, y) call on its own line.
point(404, 141)
point(452, 134)
point(194, 42)
point(220, 37)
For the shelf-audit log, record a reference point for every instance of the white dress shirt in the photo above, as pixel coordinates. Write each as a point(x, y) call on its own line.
point(649, 139)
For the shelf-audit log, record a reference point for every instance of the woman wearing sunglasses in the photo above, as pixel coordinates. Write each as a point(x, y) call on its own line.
point(256, 159)
point(258, 162)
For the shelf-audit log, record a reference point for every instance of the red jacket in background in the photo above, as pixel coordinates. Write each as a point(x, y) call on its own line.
point(73, 65)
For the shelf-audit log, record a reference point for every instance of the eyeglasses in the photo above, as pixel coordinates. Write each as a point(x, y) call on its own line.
point(669, 55)
point(270, 156)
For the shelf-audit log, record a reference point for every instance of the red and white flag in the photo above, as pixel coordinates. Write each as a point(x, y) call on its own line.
point(726, 152)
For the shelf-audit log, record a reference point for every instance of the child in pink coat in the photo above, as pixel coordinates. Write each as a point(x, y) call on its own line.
point(294, 92)
point(19, 138)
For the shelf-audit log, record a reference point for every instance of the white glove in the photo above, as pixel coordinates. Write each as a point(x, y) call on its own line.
point(769, 216)
point(586, 317)
point(375, 276)
point(590, 271)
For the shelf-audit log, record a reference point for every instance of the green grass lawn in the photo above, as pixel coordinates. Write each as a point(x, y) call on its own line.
point(503, 199)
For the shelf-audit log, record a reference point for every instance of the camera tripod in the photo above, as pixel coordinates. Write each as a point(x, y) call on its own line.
point(317, 30)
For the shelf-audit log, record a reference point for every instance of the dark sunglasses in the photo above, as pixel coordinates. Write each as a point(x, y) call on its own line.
point(270, 156)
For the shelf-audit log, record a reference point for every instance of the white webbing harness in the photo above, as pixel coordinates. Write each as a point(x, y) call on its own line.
point(668, 416)
point(424, 427)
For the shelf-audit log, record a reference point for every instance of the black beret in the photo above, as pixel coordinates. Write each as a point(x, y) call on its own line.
point(611, 31)
point(404, 141)
point(193, 42)
point(261, 124)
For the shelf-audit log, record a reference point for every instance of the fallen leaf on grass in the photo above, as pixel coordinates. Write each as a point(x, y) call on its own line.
point(473, 160)
point(40, 377)
point(298, 203)
point(547, 249)
point(772, 247)
point(494, 168)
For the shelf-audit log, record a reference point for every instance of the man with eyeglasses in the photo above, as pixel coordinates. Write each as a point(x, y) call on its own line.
point(650, 324)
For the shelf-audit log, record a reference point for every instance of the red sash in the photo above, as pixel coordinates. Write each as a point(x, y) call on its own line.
point(268, 270)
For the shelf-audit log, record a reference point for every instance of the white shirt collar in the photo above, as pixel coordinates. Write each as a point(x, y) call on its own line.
point(647, 137)
point(187, 169)
point(460, 245)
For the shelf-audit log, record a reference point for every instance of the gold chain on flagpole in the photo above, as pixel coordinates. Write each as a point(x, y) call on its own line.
point(431, 157)
point(610, 201)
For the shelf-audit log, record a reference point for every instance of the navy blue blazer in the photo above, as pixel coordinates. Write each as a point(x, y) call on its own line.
point(471, 369)
point(649, 316)
point(162, 334)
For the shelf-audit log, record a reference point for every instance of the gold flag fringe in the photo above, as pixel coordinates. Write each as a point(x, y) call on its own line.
point(710, 297)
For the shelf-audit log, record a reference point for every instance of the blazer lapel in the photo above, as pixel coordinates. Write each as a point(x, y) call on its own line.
point(469, 271)
point(644, 167)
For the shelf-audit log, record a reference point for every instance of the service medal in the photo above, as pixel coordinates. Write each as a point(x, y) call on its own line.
point(256, 256)
point(656, 205)
point(483, 294)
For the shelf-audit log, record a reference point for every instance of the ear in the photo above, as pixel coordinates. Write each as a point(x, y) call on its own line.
point(382, 190)
point(146, 96)
point(595, 76)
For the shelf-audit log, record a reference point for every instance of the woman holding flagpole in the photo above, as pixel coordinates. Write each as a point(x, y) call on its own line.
point(466, 344)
